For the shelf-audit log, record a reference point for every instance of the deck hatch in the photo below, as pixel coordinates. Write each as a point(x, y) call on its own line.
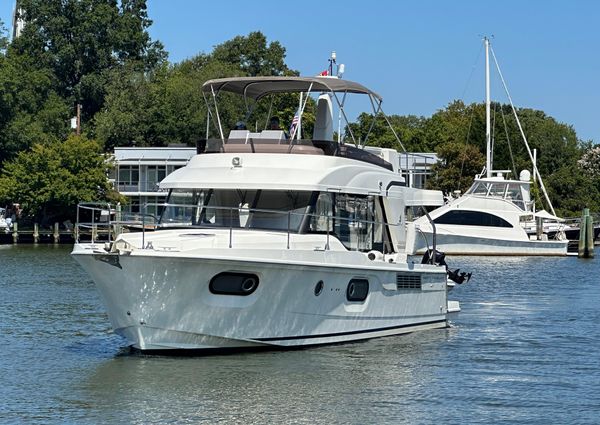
point(408, 281)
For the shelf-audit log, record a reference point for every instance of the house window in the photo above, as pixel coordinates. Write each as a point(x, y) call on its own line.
point(154, 175)
point(129, 177)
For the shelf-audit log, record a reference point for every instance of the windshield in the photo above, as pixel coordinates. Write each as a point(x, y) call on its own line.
point(512, 192)
point(252, 209)
point(356, 220)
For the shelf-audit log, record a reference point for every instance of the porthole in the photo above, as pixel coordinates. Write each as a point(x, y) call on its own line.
point(358, 289)
point(319, 288)
point(230, 283)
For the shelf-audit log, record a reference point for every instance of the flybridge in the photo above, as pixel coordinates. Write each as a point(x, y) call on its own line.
point(332, 93)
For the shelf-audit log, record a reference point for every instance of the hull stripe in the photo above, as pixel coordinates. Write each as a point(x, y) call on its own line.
point(362, 331)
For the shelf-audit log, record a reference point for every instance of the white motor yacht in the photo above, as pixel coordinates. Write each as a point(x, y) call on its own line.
point(268, 241)
point(5, 222)
point(492, 218)
point(496, 216)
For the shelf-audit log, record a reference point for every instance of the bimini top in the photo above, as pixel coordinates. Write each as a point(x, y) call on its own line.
point(257, 87)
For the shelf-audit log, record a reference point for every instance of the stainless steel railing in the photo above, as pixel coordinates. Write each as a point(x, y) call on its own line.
point(89, 222)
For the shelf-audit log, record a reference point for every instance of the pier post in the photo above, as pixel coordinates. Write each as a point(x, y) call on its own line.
point(36, 233)
point(589, 236)
point(118, 218)
point(15, 234)
point(539, 228)
point(586, 236)
point(56, 233)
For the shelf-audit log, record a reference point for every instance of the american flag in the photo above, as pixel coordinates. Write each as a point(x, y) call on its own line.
point(294, 124)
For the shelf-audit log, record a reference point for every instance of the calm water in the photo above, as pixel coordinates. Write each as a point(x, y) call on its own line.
point(525, 349)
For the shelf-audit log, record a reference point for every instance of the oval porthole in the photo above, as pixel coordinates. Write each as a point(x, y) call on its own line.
point(231, 283)
point(357, 290)
point(319, 288)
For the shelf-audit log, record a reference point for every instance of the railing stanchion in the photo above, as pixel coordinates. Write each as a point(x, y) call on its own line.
point(93, 223)
point(230, 226)
point(76, 229)
point(288, 231)
point(327, 244)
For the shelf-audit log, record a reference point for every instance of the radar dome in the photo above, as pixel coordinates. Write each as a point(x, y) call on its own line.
point(525, 176)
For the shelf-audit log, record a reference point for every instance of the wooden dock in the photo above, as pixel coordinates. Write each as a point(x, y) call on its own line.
point(44, 235)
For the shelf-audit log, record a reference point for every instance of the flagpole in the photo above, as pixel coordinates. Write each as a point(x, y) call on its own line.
point(299, 132)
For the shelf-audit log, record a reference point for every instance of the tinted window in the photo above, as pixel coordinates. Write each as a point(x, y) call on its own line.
point(471, 218)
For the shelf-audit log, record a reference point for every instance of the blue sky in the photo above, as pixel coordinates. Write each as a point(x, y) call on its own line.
point(418, 55)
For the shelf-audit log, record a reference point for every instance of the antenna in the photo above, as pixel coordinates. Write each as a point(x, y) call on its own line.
point(332, 62)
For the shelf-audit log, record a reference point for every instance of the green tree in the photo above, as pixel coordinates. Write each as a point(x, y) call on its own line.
point(162, 107)
point(30, 109)
point(253, 55)
point(459, 163)
point(166, 105)
point(571, 191)
point(79, 40)
point(409, 128)
point(49, 180)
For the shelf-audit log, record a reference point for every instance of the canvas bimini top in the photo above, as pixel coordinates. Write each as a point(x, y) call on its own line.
point(258, 87)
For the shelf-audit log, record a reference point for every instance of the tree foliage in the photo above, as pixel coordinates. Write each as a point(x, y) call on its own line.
point(166, 106)
point(80, 40)
point(590, 162)
point(50, 179)
point(253, 55)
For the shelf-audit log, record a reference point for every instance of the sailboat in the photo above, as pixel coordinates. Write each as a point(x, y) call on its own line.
point(493, 215)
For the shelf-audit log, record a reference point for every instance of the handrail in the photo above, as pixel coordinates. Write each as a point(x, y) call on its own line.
point(110, 225)
point(288, 228)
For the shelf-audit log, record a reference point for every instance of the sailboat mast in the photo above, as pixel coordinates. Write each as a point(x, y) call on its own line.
point(488, 132)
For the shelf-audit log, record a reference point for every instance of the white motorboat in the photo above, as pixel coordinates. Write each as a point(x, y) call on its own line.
point(496, 216)
point(270, 242)
point(5, 223)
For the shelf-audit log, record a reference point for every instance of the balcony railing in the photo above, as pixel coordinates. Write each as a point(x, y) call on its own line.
point(137, 187)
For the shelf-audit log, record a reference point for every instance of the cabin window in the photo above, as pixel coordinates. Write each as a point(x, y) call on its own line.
point(514, 194)
point(356, 220)
point(252, 209)
point(478, 188)
point(471, 218)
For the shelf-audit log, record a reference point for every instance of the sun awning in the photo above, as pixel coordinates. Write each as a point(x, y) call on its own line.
point(257, 87)
point(547, 216)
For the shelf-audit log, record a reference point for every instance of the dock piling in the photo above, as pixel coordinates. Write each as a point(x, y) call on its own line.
point(586, 236)
point(15, 234)
point(56, 233)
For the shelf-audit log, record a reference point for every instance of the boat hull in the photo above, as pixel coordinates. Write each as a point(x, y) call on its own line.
point(454, 244)
point(160, 302)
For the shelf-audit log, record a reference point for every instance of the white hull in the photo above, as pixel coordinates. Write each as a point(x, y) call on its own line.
point(162, 301)
point(454, 244)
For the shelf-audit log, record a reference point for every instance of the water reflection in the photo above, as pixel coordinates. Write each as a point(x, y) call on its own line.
point(308, 385)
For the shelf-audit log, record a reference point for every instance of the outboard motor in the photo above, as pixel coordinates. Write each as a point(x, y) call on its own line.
point(439, 259)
